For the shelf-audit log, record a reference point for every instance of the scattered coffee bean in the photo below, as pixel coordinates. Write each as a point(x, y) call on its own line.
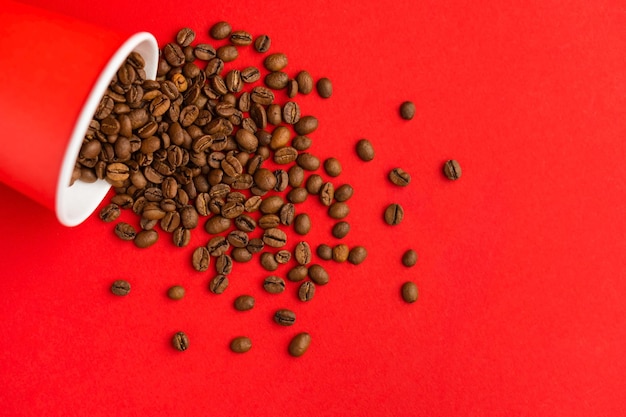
point(241, 344)
point(282, 256)
point(452, 169)
point(305, 82)
point(357, 255)
point(241, 255)
point(318, 274)
point(275, 62)
point(220, 30)
point(299, 344)
point(409, 258)
point(120, 287)
point(399, 177)
point(365, 150)
point(325, 252)
point(314, 183)
point(338, 210)
point(146, 238)
point(285, 317)
point(302, 224)
point(240, 38)
point(218, 284)
point(274, 237)
point(324, 87)
point(407, 110)
point(332, 166)
point(244, 303)
point(302, 253)
point(341, 252)
point(176, 292)
point(268, 262)
point(180, 341)
point(125, 231)
point(409, 292)
point(200, 259)
point(224, 264)
point(262, 44)
point(340, 229)
point(344, 192)
point(110, 212)
point(274, 284)
point(185, 36)
point(298, 273)
point(394, 214)
point(306, 292)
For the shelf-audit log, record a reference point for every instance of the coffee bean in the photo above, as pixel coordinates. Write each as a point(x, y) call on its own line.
point(272, 204)
point(291, 112)
point(332, 166)
point(262, 44)
point(409, 258)
point(287, 155)
point(297, 195)
point(241, 344)
point(218, 284)
point(407, 110)
point(120, 287)
point(324, 87)
point(285, 317)
point(292, 88)
point(409, 292)
point(394, 214)
point(302, 253)
point(301, 143)
point(344, 192)
point(217, 224)
point(125, 231)
point(269, 221)
point(238, 239)
point(357, 255)
point(340, 229)
point(318, 274)
point(245, 223)
point(174, 55)
point(452, 169)
point(297, 273)
point(325, 252)
point(255, 245)
point(241, 255)
point(250, 75)
point(277, 80)
point(146, 238)
point(308, 161)
point(224, 264)
point(341, 252)
point(305, 82)
point(200, 259)
point(180, 341)
point(399, 177)
point(306, 125)
point(299, 344)
point(185, 36)
point(240, 38)
point(218, 246)
point(274, 284)
point(268, 262)
point(181, 237)
point(262, 96)
point(302, 224)
point(204, 51)
point(110, 212)
point(274, 237)
point(244, 303)
point(338, 210)
point(227, 53)
point(306, 292)
point(176, 292)
point(287, 214)
point(282, 180)
point(170, 222)
point(365, 150)
point(220, 30)
point(274, 114)
point(314, 184)
point(296, 176)
point(275, 62)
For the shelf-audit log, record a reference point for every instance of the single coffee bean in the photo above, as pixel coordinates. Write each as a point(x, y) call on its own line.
point(274, 237)
point(296, 176)
point(241, 344)
point(262, 96)
point(255, 245)
point(291, 112)
point(125, 231)
point(176, 292)
point(218, 284)
point(327, 194)
point(302, 253)
point(288, 154)
point(297, 273)
point(262, 44)
point(365, 150)
point(272, 204)
point(302, 224)
point(332, 166)
point(274, 284)
point(407, 110)
point(275, 62)
point(325, 252)
point(292, 88)
point(224, 264)
point(241, 255)
point(301, 143)
point(200, 259)
point(120, 287)
point(280, 137)
point(250, 75)
point(297, 195)
point(180, 341)
point(452, 169)
point(409, 258)
point(305, 82)
point(269, 221)
point(217, 224)
point(308, 161)
point(344, 192)
point(282, 180)
point(244, 303)
point(218, 246)
point(170, 222)
point(399, 177)
point(268, 262)
point(110, 212)
point(318, 274)
point(282, 256)
point(357, 255)
point(227, 53)
point(181, 237)
point(306, 292)
point(277, 80)
point(174, 55)
point(394, 214)
point(274, 114)
point(245, 223)
point(285, 317)
point(185, 36)
point(340, 229)
point(220, 30)
point(409, 292)
point(314, 184)
point(204, 51)
point(240, 38)
point(238, 239)
point(299, 344)
point(146, 238)
point(324, 87)
point(341, 252)
point(306, 125)
point(338, 210)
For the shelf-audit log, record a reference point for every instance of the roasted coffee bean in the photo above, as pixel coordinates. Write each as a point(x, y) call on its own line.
point(407, 110)
point(338, 210)
point(341, 229)
point(291, 112)
point(409, 292)
point(241, 344)
point(296, 176)
point(174, 55)
point(399, 177)
point(314, 184)
point(325, 252)
point(274, 237)
point(170, 222)
point(308, 161)
point(180, 341)
point(274, 114)
point(213, 68)
point(301, 143)
point(332, 166)
point(344, 192)
point(299, 344)
point(306, 292)
point(282, 256)
point(125, 231)
point(394, 214)
point(245, 223)
point(365, 150)
point(268, 262)
point(324, 87)
point(176, 292)
point(275, 62)
point(181, 237)
point(185, 36)
point(240, 38)
point(297, 195)
point(238, 239)
point(125, 201)
point(233, 80)
point(305, 82)
point(218, 284)
point(264, 179)
point(120, 287)
point(409, 258)
point(452, 169)
point(255, 245)
point(285, 317)
point(218, 246)
point(200, 259)
point(298, 273)
point(292, 88)
point(241, 255)
point(318, 274)
point(306, 125)
point(146, 238)
point(341, 252)
point(277, 80)
point(280, 138)
point(204, 51)
point(282, 180)
point(220, 30)
point(217, 224)
point(262, 95)
point(288, 154)
point(244, 303)
point(272, 204)
point(302, 224)
point(262, 44)
point(224, 264)
point(302, 253)
point(117, 172)
point(189, 217)
point(110, 212)
point(274, 284)
point(357, 255)
point(246, 140)
point(250, 75)
point(146, 224)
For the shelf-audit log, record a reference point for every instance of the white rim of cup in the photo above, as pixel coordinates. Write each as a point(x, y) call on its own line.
point(74, 204)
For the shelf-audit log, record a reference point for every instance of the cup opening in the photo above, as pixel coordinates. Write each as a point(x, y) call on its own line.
point(75, 203)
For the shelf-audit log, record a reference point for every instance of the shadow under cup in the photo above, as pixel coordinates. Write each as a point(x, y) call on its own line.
point(59, 70)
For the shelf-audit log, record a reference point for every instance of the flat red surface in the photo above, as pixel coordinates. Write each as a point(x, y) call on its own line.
point(521, 267)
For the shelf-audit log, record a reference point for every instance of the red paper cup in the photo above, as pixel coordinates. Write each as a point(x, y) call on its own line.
point(54, 71)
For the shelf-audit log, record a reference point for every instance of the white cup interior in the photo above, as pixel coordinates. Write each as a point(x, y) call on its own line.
point(75, 203)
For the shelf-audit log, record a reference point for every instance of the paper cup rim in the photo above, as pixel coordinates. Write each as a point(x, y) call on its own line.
point(74, 204)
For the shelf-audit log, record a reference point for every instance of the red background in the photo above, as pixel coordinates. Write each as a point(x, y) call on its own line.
point(521, 268)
